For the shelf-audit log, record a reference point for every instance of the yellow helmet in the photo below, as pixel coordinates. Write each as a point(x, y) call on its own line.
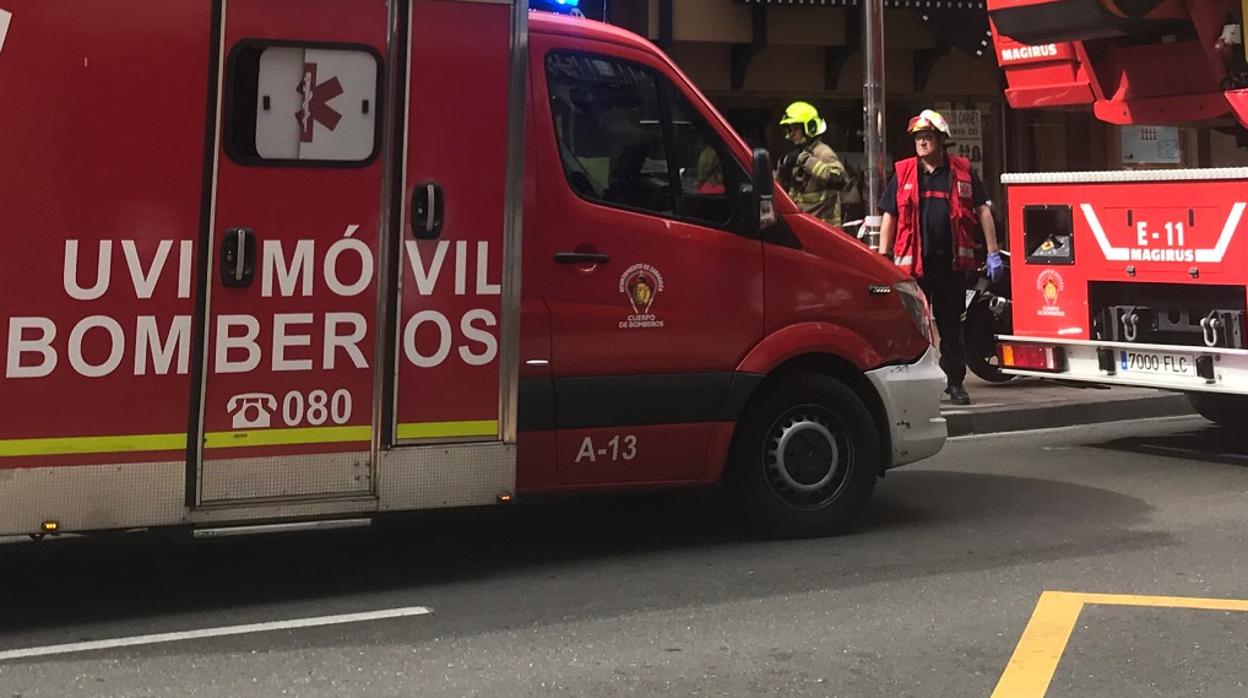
point(805, 115)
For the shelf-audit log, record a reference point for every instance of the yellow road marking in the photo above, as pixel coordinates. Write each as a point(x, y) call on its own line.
point(448, 430)
point(1040, 648)
point(1190, 602)
point(1035, 659)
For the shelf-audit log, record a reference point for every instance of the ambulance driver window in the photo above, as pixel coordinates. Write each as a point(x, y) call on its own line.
point(302, 105)
point(698, 157)
point(607, 122)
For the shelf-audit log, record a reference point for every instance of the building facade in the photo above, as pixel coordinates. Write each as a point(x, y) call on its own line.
point(753, 57)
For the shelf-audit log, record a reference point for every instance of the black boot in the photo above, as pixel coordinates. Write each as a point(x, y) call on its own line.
point(957, 395)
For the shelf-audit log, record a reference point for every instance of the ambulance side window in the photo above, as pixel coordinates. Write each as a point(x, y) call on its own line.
point(699, 158)
point(608, 124)
point(308, 105)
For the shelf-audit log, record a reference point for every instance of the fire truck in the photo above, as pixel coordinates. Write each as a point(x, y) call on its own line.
point(1133, 277)
point(279, 264)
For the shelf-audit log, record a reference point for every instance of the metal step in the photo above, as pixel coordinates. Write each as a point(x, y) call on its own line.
point(287, 527)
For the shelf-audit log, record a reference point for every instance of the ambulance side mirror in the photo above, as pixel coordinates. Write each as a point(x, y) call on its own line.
point(762, 208)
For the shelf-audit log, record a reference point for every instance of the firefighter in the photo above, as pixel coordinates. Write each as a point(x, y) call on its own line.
point(931, 207)
point(812, 174)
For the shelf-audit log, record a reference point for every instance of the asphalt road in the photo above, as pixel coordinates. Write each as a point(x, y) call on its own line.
point(660, 594)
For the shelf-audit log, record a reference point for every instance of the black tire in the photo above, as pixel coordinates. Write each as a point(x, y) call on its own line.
point(987, 366)
point(1223, 410)
point(833, 457)
point(979, 332)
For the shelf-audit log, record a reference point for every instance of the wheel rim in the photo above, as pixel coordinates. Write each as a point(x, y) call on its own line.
point(809, 457)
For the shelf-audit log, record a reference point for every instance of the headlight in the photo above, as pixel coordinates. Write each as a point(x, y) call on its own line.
point(915, 302)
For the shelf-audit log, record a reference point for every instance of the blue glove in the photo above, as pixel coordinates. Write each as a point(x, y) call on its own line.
point(996, 267)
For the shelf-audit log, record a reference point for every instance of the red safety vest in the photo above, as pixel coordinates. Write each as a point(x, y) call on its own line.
point(907, 250)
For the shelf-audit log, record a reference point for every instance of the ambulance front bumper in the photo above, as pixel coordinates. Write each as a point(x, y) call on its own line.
point(911, 396)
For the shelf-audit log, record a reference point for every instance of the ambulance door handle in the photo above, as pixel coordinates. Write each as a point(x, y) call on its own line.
point(427, 208)
point(581, 258)
point(238, 257)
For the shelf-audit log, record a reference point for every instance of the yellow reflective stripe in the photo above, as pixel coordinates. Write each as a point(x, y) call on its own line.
point(58, 446)
point(448, 430)
point(815, 197)
point(139, 443)
point(286, 437)
point(826, 169)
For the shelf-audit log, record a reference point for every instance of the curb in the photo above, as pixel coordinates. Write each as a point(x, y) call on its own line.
point(1065, 414)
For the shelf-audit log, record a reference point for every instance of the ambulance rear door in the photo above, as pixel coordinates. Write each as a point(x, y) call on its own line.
point(452, 430)
point(286, 409)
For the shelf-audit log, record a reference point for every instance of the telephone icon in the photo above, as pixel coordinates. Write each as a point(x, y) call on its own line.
point(252, 410)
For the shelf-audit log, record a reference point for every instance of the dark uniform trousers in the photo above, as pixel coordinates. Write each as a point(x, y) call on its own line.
point(946, 293)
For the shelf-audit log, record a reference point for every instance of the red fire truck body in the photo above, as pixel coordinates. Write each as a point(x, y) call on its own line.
point(276, 262)
point(1129, 277)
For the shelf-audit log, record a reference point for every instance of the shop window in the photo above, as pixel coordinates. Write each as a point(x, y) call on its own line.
point(302, 105)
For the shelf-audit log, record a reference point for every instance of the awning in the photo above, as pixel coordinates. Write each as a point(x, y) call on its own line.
point(959, 23)
point(969, 5)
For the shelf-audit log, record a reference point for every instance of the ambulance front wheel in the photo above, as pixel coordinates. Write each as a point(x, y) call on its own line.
point(805, 457)
point(1224, 410)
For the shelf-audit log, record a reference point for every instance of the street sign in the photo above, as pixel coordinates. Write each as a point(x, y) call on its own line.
point(966, 129)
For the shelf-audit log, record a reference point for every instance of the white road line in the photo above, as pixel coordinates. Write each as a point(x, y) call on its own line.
point(225, 631)
point(1029, 432)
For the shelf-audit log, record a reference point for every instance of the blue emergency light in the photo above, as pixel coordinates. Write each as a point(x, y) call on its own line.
point(566, 6)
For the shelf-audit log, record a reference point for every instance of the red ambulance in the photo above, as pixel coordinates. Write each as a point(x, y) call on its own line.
point(273, 264)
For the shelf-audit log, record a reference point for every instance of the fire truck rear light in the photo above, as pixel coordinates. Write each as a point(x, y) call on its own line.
point(1033, 357)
